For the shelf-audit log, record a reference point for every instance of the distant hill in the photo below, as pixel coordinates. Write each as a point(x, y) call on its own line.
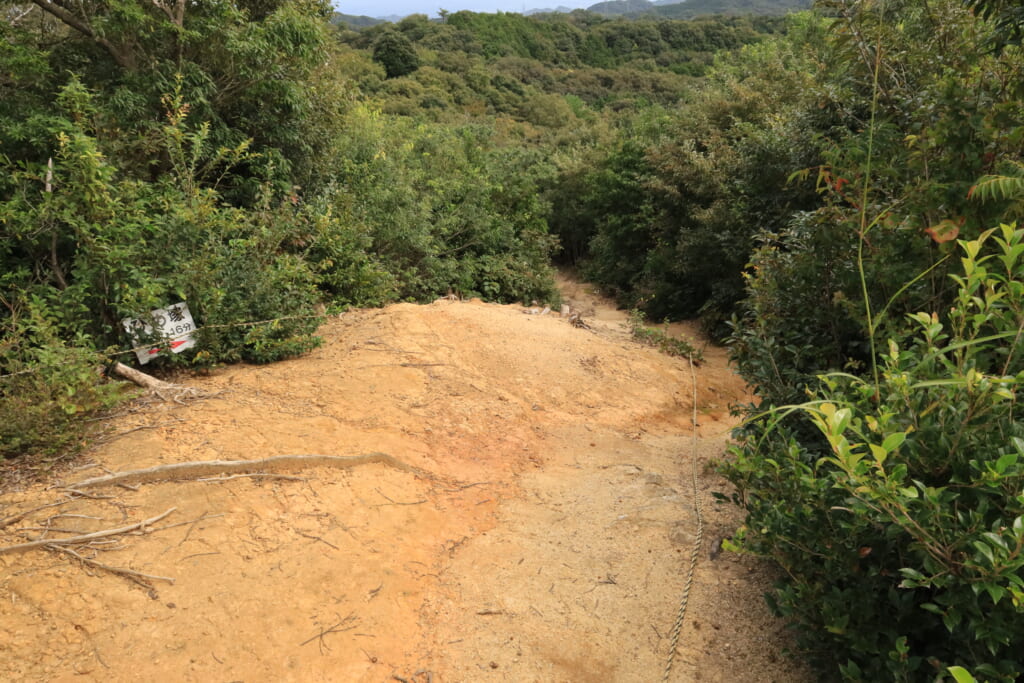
point(664, 9)
point(620, 7)
point(695, 8)
point(673, 9)
point(683, 10)
point(356, 22)
point(561, 9)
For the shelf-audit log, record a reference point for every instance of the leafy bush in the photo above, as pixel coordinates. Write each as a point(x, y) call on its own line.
point(46, 384)
point(903, 541)
point(661, 339)
point(445, 208)
point(796, 320)
point(97, 248)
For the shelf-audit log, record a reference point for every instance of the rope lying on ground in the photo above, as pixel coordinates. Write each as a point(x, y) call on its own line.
point(698, 506)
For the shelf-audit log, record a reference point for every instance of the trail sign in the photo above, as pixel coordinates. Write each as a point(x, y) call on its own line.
point(174, 324)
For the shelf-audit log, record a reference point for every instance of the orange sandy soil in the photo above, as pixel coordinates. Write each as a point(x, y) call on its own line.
point(550, 543)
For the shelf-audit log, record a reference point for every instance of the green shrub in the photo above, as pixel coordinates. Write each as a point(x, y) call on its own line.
point(661, 339)
point(903, 541)
point(46, 384)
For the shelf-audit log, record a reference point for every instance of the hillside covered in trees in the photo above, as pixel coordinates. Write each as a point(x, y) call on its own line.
point(831, 192)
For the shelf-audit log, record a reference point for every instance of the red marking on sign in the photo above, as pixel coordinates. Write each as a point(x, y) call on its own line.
point(176, 344)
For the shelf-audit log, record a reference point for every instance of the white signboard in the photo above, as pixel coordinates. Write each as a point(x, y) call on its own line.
point(173, 323)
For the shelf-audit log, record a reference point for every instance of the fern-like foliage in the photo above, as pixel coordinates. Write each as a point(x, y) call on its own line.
point(1001, 187)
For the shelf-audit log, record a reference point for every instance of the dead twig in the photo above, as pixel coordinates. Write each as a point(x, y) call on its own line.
point(317, 538)
point(83, 494)
point(463, 487)
point(396, 502)
point(110, 437)
point(7, 521)
point(58, 529)
point(85, 538)
point(191, 527)
point(347, 622)
point(188, 557)
point(137, 577)
point(193, 522)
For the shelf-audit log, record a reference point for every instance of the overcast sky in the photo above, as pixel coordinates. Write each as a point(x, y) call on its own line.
point(386, 8)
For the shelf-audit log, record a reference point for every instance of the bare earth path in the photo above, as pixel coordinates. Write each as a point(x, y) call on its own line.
point(548, 543)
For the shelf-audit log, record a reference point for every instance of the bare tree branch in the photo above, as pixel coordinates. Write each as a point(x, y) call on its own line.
point(60, 10)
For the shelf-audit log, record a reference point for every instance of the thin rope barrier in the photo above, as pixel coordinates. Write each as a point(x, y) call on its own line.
point(698, 506)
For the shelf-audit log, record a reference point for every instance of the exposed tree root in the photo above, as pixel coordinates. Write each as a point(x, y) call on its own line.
point(207, 468)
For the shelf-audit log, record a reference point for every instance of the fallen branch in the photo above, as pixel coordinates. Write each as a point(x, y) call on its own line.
point(135, 576)
point(141, 378)
point(207, 468)
point(83, 494)
point(7, 521)
point(85, 538)
point(164, 390)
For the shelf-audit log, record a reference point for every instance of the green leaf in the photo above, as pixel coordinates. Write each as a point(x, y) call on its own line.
point(894, 441)
point(1005, 461)
point(995, 591)
point(985, 551)
point(961, 675)
point(996, 540)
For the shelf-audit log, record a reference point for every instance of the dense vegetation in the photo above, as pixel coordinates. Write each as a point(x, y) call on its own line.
point(258, 162)
point(831, 192)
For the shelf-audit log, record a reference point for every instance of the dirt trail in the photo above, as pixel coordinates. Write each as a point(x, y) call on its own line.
point(549, 543)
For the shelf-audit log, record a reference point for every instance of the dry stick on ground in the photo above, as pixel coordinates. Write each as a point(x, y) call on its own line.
point(137, 577)
point(195, 470)
point(176, 392)
point(95, 539)
point(317, 538)
point(7, 521)
point(347, 622)
point(141, 378)
point(86, 538)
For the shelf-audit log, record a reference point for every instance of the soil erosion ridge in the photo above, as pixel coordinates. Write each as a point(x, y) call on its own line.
point(525, 514)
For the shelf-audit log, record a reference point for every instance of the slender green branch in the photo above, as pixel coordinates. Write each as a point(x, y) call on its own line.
point(864, 214)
